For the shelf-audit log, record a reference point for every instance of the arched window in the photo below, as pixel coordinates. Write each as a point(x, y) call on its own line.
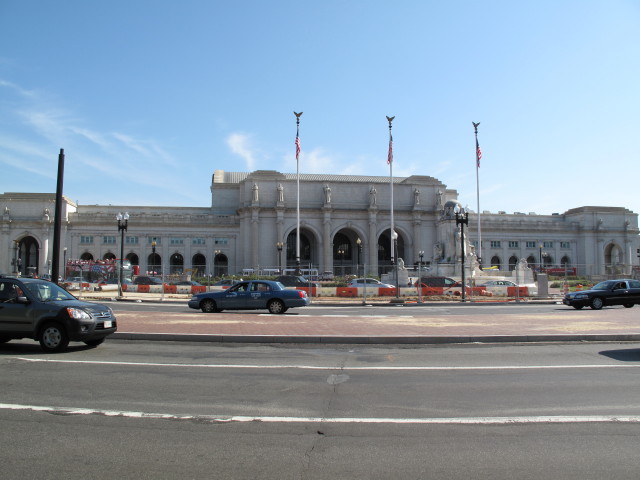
point(86, 256)
point(108, 256)
point(496, 262)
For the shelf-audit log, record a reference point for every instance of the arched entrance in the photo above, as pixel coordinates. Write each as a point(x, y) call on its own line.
point(496, 262)
point(307, 249)
point(531, 260)
point(346, 252)
point(513, 261)
point(199, 264)
point(220, 265)
point(384, 251)
point(613, 259)
point(109, 256)
point(28, 257)
point(176, 264)
point(154, 264)
point(133, 258)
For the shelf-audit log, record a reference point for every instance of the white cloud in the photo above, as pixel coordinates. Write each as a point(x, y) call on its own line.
point(240, 144)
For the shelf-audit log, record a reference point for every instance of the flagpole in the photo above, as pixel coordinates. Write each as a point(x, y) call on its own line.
point(390, 162)
point(478, 157)
point(394, 235)
point(297, 192)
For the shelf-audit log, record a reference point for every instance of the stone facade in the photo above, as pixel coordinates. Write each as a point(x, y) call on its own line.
point(344, 227)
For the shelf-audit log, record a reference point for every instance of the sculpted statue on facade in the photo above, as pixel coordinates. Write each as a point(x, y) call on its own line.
point(280, 193)
point(373, 200)
point(327, 194)
point(437, 251)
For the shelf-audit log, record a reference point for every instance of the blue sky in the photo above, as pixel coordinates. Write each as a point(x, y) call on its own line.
point(148, 98)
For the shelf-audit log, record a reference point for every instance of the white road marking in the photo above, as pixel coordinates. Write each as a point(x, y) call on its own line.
point(344, 420)
point(335, 367)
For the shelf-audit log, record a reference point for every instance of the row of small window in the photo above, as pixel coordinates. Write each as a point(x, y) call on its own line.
point(112, 239)
point(528, 244)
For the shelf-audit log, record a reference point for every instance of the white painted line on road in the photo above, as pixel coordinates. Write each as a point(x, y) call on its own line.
point(346, 420)
point(335, 367)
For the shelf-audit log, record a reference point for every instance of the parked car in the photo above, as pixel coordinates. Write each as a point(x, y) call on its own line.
point(326, 276)
point(610, 292)
point(444, 282)
point(368, 282)
point(296, 281)
point(250, 295)
point(499, 283)
point(144, 280)
point(192, 283)
point(43, 311)
point(225, 282)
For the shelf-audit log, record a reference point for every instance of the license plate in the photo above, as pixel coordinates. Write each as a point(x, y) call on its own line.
point(108, 324)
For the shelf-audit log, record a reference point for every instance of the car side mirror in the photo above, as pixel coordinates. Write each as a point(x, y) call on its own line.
point(24, 300)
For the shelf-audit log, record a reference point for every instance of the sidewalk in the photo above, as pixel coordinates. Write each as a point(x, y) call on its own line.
point(411, 323)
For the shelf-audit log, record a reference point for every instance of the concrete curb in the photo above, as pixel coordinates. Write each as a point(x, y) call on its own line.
point(376, 340)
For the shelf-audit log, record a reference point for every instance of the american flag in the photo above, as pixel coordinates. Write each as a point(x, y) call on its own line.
point(390, 157)
point(478, 153)
point(297, 147)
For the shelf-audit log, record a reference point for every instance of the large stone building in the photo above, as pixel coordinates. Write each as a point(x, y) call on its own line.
point(344, 225)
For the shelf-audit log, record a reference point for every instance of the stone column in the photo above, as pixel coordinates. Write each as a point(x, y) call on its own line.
point(255, 232)
point(327, 246)
point(372, 264)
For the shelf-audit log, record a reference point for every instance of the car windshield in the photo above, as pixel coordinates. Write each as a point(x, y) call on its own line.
point(602, 285)
point(48, 292)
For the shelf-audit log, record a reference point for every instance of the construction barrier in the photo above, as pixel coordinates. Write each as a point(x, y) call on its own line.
point(504, 291)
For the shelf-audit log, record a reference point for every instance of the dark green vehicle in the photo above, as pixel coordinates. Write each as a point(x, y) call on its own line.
point(43, 311)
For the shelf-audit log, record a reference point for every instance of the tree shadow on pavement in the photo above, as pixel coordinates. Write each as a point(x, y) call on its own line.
point(623, 355)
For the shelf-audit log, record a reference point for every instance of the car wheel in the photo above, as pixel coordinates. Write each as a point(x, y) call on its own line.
point(53, 337)
point(94, 343)
point(628, 305)
point(208, 306)
point(596, 303)
point(276, 306)
point(578, 307)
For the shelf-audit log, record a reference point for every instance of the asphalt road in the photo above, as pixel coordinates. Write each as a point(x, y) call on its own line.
point(193, 410)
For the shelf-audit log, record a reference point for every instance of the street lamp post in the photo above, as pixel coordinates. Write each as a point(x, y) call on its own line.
point(64, 264)
point(153, 256)
point(123, 222)
point(462, 219)
point(279, 246)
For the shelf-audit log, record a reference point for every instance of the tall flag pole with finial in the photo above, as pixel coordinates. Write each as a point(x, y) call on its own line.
point(390, 163)
point(297, 191)
point(478, 157)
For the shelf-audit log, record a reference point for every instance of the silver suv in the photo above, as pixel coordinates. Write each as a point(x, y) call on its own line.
point(43, 311)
